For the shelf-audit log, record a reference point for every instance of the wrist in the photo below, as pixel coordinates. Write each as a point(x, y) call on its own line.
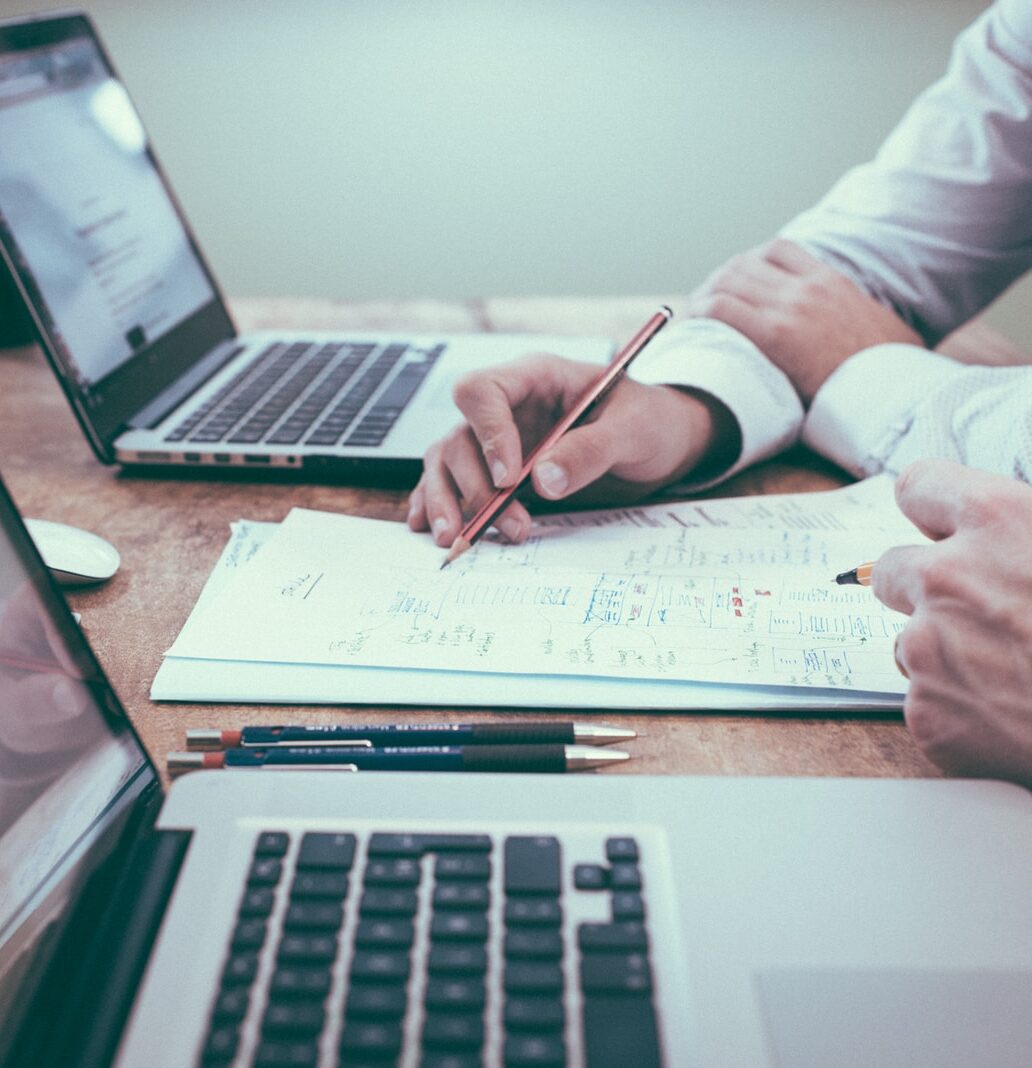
point(713, 441)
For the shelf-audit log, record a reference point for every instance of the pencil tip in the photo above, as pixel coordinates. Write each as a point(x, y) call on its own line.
point(847, 578)
point(459, 546)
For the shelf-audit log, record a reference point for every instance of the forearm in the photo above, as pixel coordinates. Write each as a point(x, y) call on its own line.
point(938, 224)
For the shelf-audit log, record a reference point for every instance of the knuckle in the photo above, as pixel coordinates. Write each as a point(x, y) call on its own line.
point(938, 577)
point(467, 389)
point(923, 720)
point(919, 648)
point(991, 508)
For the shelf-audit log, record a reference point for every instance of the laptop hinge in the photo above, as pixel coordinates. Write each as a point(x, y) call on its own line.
point(189, 382)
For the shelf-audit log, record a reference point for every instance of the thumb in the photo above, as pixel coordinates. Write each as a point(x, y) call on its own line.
point(581, 456)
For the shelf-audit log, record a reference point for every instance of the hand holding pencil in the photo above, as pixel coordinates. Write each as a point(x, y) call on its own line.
point(640, 437)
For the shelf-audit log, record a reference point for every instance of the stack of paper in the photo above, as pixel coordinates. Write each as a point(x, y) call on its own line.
point(716, 604)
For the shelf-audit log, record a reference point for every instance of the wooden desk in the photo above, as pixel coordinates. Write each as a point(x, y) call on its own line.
point(170, 532)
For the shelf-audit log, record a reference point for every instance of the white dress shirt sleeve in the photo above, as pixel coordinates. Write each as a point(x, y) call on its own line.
point(713, 357)
point(892, 404)
point(940, 222)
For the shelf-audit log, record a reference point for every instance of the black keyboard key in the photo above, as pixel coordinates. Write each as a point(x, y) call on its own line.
point(532, 865)
point(240, 970)
point(455, 994)
point(313, 916)
point(596, 937)
point(396, 872)
point(271, 844)
point(453, 1030)
point(545, 912)
point(458, 927)
point(378, 1001)
point(370, 1038)
point(619, 1031)
point(248, 935)
point(221, 1045)
point(297, 981)
point(449, 1059)
point(383, 933)
point(533, 944)
point(537, 1051)
point(285, 1054)
point(231, 1005)
point(364, 438)
point(472, 896)
point(474, 867)
point(257, 902)
point(530, 1013)
point(327, 851)
point(306, 949)
point(457, 843)
point(265, 871)
point(323, 436)
point(627, 905)
point(615, 973)
point(618, 849)
point(590, 877)
point(532, 977)
point(294, 1017)
point(625, 877)
point(396, 845)
point(456, 959)
point(326, 885)
point(379, 967)
point(385, 902)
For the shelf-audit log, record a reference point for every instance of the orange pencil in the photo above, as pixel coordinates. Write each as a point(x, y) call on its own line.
point(498, 501)
point(859, 576)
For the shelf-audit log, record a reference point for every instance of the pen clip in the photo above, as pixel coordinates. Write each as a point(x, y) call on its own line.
point(303, 767)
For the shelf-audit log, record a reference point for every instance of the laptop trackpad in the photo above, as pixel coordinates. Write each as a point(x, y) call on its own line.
point(896, 1017)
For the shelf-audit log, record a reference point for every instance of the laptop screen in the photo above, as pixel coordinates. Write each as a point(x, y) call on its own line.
point(70, 766)
point(87, 210)
point(120, 294)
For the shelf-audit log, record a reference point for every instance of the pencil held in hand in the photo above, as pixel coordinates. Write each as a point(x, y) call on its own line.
point(858, 576)
point(499, 501)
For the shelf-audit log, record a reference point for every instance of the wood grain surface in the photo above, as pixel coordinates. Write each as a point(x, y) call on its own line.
point(170, 531)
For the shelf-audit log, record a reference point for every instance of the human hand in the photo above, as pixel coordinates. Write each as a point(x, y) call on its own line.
point(804, 316)
point(636, 440)
point(967, 648)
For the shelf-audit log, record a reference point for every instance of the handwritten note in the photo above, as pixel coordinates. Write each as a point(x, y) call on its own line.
point(732, 591)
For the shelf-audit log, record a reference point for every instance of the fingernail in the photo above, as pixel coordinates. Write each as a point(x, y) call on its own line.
point(510, 527)
point(498, 472)
point(440, 525)
point(552, 478)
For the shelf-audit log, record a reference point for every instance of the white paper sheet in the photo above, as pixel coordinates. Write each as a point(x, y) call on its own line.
point(722, 603)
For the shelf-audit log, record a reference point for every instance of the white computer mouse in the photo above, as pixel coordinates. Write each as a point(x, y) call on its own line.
point(75, 557)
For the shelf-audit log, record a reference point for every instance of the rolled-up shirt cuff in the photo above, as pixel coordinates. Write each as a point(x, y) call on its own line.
point(867, 404)
point(712, 357)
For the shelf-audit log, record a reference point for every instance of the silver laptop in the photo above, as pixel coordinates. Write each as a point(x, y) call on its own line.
point(447, 920)
point(130, 315)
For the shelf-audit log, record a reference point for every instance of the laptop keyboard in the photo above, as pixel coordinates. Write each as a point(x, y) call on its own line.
point(311, 393)
point(381, 952)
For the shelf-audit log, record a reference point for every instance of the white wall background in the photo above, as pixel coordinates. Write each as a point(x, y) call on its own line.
point(377, 148)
